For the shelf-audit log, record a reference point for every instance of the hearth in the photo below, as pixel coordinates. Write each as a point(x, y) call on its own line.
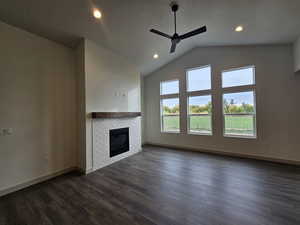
point(118, 141)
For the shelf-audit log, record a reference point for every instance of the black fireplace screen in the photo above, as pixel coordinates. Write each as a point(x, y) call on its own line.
point(118, 141)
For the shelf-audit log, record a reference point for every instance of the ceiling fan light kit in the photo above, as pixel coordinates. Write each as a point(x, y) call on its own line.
point(176, 38)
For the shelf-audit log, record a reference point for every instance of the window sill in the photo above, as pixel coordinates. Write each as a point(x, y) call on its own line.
point(170, 132)
point(240, 136)
point(200, 134)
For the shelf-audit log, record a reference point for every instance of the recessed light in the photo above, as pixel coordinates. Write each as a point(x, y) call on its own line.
point(239, 28)
point(155, 56)
point(97, 14)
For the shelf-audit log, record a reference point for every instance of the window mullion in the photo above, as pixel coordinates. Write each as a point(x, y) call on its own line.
point(238, 89)
point(169, 96)
point(199, 93)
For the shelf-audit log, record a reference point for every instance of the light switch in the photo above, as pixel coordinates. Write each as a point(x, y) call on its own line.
point(6, 131)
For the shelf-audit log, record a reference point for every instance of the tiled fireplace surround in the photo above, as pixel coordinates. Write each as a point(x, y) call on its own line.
point(101, 127)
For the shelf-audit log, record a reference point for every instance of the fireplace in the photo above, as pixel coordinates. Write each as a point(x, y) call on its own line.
point(118, 141)
point(106, 143)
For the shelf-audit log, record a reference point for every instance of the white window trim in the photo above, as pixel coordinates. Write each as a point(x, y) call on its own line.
point(199, 93)
point(166, 96)
point(239, 89)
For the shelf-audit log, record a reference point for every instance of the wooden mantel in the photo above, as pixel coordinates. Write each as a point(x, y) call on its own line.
point(99, 115)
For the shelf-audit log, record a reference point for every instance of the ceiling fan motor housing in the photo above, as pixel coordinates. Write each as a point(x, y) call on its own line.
point(174, 6)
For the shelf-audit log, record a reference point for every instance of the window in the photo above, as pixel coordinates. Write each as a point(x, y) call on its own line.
point(239, 107)
point(199, 79)
point(170, 111)
point(238, 77)
point(170, 115)
point(238, 98)
point(169, 87)
point(199, 119)
point(199, 101)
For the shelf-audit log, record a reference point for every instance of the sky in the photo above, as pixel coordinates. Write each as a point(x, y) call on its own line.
point(170, 102)
point(170, 87)
point(199, 100)
point(199, 79)
point(239, 77)
point(239, 98)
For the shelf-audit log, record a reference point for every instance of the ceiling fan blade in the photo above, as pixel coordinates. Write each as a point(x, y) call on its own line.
point(173, 47)
point(160, 33)
point(193, 33)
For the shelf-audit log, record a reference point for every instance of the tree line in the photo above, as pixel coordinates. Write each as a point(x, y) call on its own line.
point(229, 107)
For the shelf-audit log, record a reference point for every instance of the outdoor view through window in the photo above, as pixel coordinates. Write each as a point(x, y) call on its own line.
point(199, 102)
point(238, 98)
point(239, 103)
point(200, 109)
point(170, 116)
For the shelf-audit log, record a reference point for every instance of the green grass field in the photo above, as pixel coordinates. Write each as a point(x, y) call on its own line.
point(236, 125)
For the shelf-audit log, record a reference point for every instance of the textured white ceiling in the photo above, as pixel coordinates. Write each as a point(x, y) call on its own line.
point(125, 25)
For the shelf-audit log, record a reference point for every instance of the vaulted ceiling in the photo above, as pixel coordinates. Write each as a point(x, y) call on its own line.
point(124, 27)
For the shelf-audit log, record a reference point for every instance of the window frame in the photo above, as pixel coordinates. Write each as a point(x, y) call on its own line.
point(240, 89)
point(198, 93)
point(169, 96)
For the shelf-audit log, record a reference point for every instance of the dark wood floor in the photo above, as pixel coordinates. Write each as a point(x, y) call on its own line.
point(160, 186)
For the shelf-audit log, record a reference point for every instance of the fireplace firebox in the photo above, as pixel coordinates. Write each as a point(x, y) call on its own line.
point(119, 141)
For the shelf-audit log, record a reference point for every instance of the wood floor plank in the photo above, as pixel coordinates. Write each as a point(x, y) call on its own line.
point(163, 187)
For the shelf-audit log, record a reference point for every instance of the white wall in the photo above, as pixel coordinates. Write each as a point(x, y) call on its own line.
point(297, 55)
point(37, 100)
point(112, 84)
point(278, 107)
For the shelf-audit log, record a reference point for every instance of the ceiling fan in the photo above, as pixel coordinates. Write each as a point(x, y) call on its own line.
point(175, 39)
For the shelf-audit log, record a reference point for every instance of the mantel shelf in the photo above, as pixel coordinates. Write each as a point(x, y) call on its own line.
point(99, 115)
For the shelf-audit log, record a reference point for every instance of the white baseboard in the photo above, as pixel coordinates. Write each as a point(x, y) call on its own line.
point(84, 171)
point(35, 181)
point(217, 151)
point(89, 171)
